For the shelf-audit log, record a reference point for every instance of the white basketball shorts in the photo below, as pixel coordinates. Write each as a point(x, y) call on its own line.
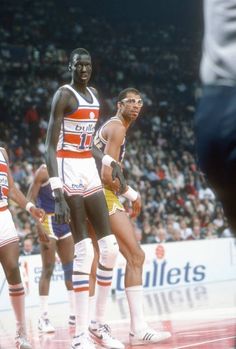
point(79, 175)
point(8, 232)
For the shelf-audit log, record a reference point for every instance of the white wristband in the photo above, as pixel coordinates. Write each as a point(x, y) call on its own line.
point(55, 183)
point(131, 194)
point(29, 205)
point(107, 160)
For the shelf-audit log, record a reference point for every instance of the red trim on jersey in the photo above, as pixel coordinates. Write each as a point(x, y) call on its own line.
point(4, 208)
point(5, 191)
point(76, 139)
point(3, 167)
point(73, 154)
point(84, 113)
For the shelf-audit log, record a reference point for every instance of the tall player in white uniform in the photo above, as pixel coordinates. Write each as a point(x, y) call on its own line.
point(9, 246)
point(78, 193)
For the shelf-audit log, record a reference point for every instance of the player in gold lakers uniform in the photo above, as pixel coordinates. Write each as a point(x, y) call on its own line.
point(78, 193)
point(9, 246)
point(110, 139)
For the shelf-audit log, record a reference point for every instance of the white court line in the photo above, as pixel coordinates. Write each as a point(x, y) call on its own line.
point(214, 315)
point(205, 342)
point(202, 331)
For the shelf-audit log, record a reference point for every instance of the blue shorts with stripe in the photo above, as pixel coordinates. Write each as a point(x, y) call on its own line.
point(55, 230)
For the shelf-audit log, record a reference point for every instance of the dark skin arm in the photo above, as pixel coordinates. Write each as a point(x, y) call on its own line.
point(17, 196)
point(41, 176)
point(60, 106)
point(116, 169)
point(114, 133)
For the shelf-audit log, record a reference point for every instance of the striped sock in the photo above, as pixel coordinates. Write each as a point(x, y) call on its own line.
point(104, 280)
point(81, 289)
point(17, 298)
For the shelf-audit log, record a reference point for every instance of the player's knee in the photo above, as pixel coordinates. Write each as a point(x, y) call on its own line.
point(108, 250)
point(68, 270)
point(136, 258)
point(48, 270)
point(13, 274)
point(83, 256)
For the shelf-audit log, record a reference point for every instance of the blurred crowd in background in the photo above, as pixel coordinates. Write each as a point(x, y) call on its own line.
point(159, 60)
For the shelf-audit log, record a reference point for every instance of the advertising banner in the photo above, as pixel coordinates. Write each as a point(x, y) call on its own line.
point(166, 266)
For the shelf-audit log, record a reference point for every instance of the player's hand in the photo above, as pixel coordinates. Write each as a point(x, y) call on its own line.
point(62, 211)
point(42, 235)
point(136, 207)
point(117, 173)
point(37, 213)
point(115, 186)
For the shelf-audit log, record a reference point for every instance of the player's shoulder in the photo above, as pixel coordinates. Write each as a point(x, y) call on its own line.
point(43, 168)
point(63, 92)
point(116, 123)
point(4, 153)
point(94, 90)
point(42, 173)
point(62, 95)
point(114, 127)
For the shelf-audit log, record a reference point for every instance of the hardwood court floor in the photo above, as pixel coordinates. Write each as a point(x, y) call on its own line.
point(200, 316)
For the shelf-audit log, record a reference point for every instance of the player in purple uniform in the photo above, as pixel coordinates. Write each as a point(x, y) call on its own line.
point(110, 140)
point(60, 241)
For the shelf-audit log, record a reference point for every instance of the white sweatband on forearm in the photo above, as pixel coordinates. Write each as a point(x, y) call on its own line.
point(131, 194)
point(55, 183)
point(107, 160)
point(29, 205)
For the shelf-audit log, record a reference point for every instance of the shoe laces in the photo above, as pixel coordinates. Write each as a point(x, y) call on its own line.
point(20, 333)
point(83, 338)
point(106, 329)
point(46, 322)
point(22, 339)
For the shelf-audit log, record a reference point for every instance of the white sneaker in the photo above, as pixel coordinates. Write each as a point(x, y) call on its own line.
point(22, 342)
point(71, 321)
point(82, 341)
point(44, 325)
point(103, 337)
point(148, 336)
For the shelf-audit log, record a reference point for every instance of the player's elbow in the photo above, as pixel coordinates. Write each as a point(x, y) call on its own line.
point(105, 178)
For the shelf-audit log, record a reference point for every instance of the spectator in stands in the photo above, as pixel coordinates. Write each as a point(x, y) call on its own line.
point(28, 248)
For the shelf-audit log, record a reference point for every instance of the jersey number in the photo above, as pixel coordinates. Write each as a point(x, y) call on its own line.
point(85, 141)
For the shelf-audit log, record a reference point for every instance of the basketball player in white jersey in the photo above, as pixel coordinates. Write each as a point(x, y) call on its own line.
point(9, 246)
point(110, 139)
point(60, 241)
point(215, 120)
point(79, 195)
